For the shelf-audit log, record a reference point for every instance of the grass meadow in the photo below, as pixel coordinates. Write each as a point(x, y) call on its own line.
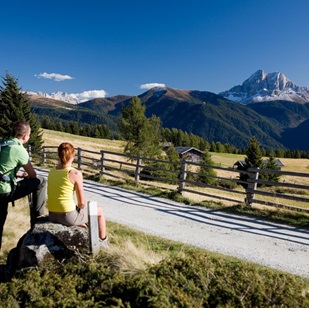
point(140, 270)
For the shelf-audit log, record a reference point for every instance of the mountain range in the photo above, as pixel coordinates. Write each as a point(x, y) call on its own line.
point(267, 106)
point(259, 87)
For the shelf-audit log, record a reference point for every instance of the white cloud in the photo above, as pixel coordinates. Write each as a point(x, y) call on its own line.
point(55, 76)
point(151, 85)
point(89, 95)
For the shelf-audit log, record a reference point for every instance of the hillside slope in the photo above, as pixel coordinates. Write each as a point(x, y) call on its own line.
point(212, 117)
point(199, 112)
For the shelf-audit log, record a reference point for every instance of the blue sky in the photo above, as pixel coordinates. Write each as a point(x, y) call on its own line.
point(122, 46)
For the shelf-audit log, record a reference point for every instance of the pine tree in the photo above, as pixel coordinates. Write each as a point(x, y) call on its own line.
point(254, 154)
point(253, 159)
point(14, 106)
point(59, 125)
point(173, 156)
point(271, 165)
point(213, 147)
point(142, 134)
point(207, 172)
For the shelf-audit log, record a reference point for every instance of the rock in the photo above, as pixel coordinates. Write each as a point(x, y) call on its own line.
point(47, 241)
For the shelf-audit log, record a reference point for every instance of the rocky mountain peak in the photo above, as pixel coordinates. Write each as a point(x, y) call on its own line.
point(261, 86)
point(61, 96)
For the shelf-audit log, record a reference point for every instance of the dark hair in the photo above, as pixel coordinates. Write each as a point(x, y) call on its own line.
point(65, 152)
point(20, 128)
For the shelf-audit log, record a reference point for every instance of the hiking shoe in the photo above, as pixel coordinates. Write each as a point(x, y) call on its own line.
point(104, 243)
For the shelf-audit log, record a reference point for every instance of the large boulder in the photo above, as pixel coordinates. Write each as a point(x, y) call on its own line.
point(45, 242)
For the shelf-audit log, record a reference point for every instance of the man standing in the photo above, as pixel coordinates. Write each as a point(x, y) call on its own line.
point(13, 156)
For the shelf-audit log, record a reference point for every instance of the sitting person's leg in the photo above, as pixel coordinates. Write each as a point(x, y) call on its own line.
point(79, 217)
point(101, 223)
point(36, 186)
point(39, 197)
point(76, 217)
point(4, 201)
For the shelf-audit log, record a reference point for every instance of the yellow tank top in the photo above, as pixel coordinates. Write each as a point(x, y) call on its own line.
point(60, 191)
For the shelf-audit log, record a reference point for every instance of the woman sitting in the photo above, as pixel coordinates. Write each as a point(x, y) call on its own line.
point(63, 180)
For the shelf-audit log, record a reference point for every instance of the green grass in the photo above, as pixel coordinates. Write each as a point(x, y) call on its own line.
point(143, 271)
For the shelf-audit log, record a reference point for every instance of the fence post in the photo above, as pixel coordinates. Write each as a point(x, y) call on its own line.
point(252, 185)
point(94, 243)
point(102, 167)
point(182, 176)
point(138, 169)
point(44, 155)
point(30, 153)
point(79, 158)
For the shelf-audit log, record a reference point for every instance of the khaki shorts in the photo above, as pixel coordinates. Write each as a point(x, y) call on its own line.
point(75, 217)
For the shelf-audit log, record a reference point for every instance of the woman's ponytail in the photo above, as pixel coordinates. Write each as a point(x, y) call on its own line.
point(65, 152)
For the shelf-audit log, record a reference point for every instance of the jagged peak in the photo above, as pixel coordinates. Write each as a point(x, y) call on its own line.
point(258, 75)
point(262, 86)
point(274, 80)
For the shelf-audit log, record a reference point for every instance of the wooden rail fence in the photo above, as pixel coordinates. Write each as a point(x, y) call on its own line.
point(185, 175)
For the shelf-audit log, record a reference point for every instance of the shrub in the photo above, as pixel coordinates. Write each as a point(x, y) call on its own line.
point(227, 184)
point(195, 280)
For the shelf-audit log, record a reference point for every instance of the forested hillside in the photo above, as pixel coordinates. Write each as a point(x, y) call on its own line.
point(201, 113)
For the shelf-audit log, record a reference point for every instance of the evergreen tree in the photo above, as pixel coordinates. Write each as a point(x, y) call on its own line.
point(186, 139)
point(203, 145)
point(14, 106)
point(166, 134)
point(87, 130)
point(142, 134)
point(180, 138)
point(194, 140)
point(174, 138)
point(220, 148)
point(173, 156)
point(271, 165)
point(163, 169)
point(151, 138)
point(280, 153)
point(254, 154)
point(59, 125)
point(253, 159)
point(213, 147)
point(96, 132)
point(48, 123)
point(207, 172)
point(104, 131)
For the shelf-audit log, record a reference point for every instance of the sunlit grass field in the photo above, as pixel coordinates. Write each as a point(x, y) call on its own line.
point(55, 138)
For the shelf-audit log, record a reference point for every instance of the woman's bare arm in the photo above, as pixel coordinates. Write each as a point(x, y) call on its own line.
point(76, 177)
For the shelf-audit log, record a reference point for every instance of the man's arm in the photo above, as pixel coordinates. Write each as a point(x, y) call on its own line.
point(31, 173)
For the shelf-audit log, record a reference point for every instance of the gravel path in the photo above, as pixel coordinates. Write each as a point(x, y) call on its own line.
point(273, 245)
